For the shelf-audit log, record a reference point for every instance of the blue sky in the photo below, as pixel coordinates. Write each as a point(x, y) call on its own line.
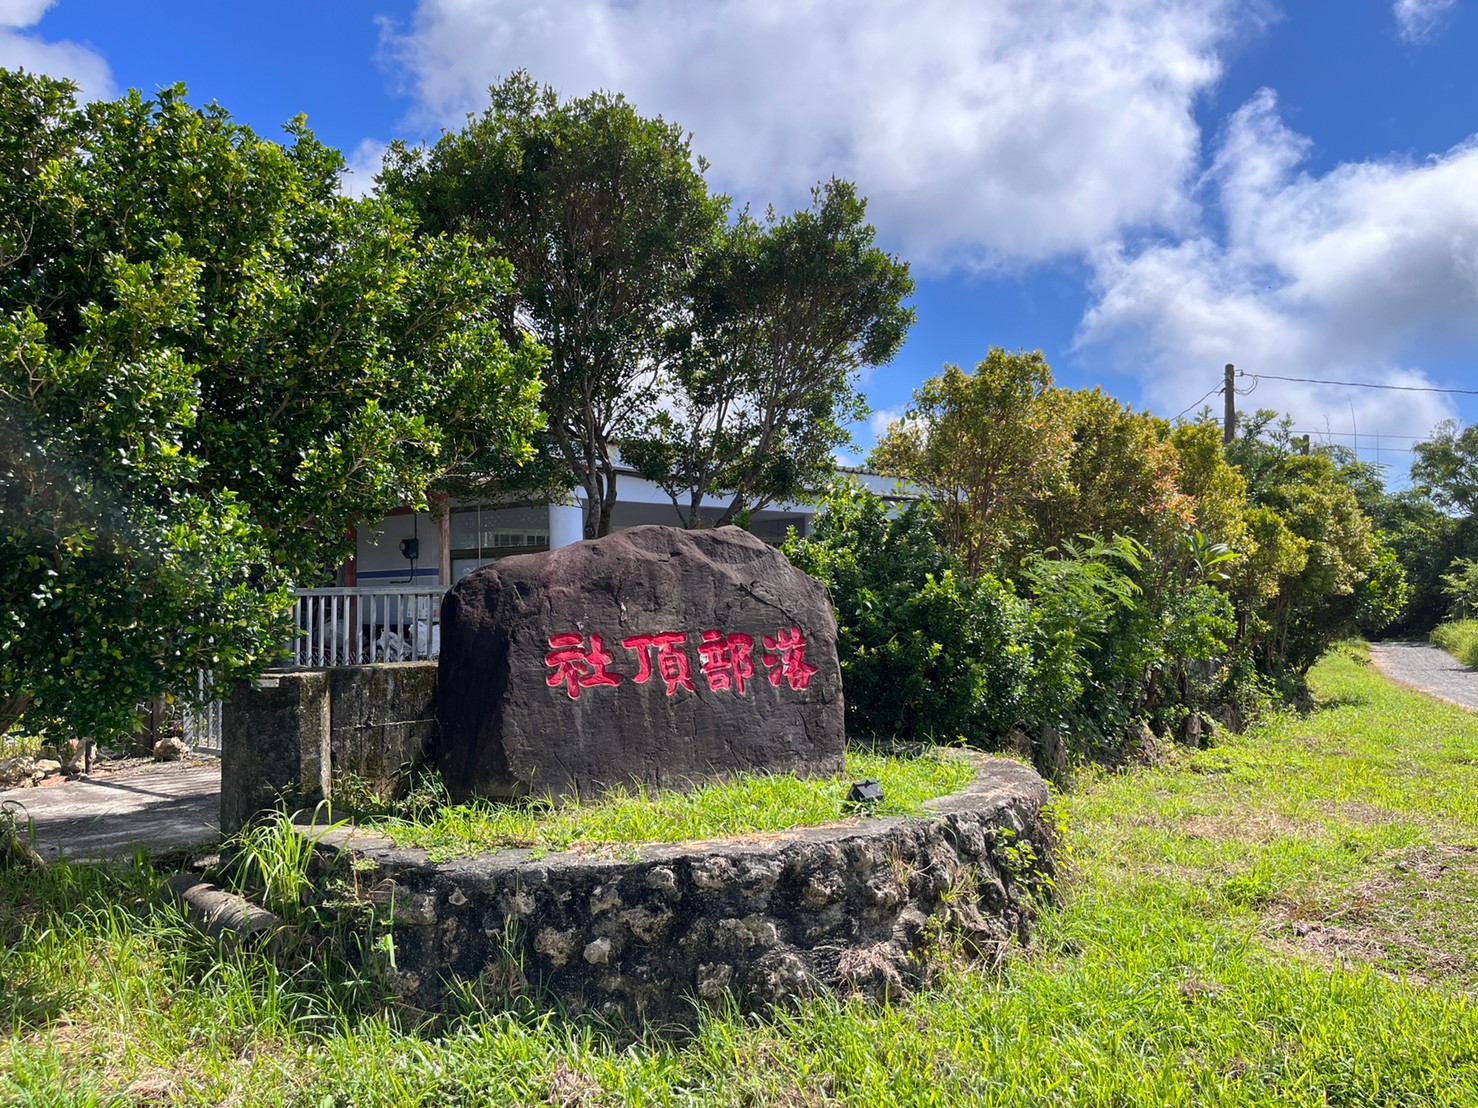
point(1144, 189)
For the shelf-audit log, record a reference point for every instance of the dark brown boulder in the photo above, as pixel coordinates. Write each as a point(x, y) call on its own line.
point(654, 656)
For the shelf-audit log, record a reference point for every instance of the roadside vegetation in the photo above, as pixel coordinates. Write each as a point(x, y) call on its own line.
point(622, 818)
point(1459, 634)
point(1286, 918)
point(1460, 639)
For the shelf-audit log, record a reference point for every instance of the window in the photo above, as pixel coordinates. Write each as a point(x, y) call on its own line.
point(482, 535)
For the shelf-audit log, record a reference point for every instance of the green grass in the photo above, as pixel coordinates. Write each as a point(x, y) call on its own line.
point(1289, 918)
point(1460, 639)
point(746, 803)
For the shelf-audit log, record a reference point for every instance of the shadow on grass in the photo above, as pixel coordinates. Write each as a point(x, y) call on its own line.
point(1343, 700)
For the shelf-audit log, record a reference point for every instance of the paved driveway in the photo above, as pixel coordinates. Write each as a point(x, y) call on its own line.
point(1427, 668)
point(155, 807)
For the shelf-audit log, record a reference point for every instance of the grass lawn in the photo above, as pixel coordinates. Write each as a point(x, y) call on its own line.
point(745, 803)
point(1290, 918)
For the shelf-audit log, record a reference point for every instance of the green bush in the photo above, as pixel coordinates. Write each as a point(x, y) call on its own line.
point(1105, 632)
point(1125, 634)
point(928, 653)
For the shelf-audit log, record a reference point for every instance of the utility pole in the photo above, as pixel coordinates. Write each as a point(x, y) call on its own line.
point(1229, 396)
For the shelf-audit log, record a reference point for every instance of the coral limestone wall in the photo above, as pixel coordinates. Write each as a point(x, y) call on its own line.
point(652, 935)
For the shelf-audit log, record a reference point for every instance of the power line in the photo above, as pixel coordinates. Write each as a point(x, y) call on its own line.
point(1350, 434)
point(1358, 384)
point(1209, 392)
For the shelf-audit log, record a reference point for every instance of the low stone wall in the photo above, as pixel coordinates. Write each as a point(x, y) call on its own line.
point(291, 733)
point(857, 907)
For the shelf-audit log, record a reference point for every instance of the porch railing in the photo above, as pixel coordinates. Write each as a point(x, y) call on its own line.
point(200, 720)
point(341, 627)
point(358, 626)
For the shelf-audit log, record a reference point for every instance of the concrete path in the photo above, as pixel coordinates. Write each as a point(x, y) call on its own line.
point(155, 807)
point(1428, 668)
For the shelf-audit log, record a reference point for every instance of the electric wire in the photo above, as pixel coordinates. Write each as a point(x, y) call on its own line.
point(1193, 403)
point(1358, 384)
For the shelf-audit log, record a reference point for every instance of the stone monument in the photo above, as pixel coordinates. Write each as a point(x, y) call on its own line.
point(655, 656)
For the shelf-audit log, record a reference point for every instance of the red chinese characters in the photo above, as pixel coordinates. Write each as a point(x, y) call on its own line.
point(786, 658)
point(576, 667)
point(672, 663)
point(726, 661)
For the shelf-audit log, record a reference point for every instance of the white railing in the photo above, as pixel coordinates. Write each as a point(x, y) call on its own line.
point(357, 626)
point(200, 721)
point(340, 627)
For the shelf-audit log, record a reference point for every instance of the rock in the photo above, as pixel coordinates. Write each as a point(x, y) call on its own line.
point(1049, 754)
point(16, 851)
point(1228, 716)
point(18, 770)
point(221, 914)
point(655, 656)
point(713, 979)
point(170, 750)
point(1146, 746)
point(598, 951)
point(47, 766)
point(1197, 731)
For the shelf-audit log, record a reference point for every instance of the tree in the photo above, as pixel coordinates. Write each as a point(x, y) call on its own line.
point(1331, 575)
point(212, 365)
point(928, 652)
point(1120, 476)
point(987, 445)
point(603, 214)
point(783, 315)
point(1446, 465)
point(118, 578)
point(1016, 466)
point(1427, 540)
point(1217, 489)
point(1461, 585)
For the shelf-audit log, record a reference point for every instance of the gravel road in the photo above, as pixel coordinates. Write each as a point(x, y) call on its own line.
point(1427, 668)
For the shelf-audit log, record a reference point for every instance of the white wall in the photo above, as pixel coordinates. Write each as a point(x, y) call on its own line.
point(378, 560)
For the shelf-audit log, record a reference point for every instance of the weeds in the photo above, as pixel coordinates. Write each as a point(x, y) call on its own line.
point(1460, 639)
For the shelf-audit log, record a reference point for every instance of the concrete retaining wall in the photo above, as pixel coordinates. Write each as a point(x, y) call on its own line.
point(290, 734)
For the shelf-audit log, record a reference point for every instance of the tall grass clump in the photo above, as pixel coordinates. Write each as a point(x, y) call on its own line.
point(1460, 639)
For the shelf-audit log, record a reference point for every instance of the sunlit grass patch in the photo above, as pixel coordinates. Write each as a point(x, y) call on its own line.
point(746, 803)
point(1460, 639)
point(1311, 833)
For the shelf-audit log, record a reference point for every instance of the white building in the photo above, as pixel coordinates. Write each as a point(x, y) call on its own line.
point(456, 537)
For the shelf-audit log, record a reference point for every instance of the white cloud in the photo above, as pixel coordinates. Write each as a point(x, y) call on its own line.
point(881, 419)
point(361, 165)
point(21, 48)
point(23, 13)
point(981, 131)
point(1416, 20)
point(1361, 274)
